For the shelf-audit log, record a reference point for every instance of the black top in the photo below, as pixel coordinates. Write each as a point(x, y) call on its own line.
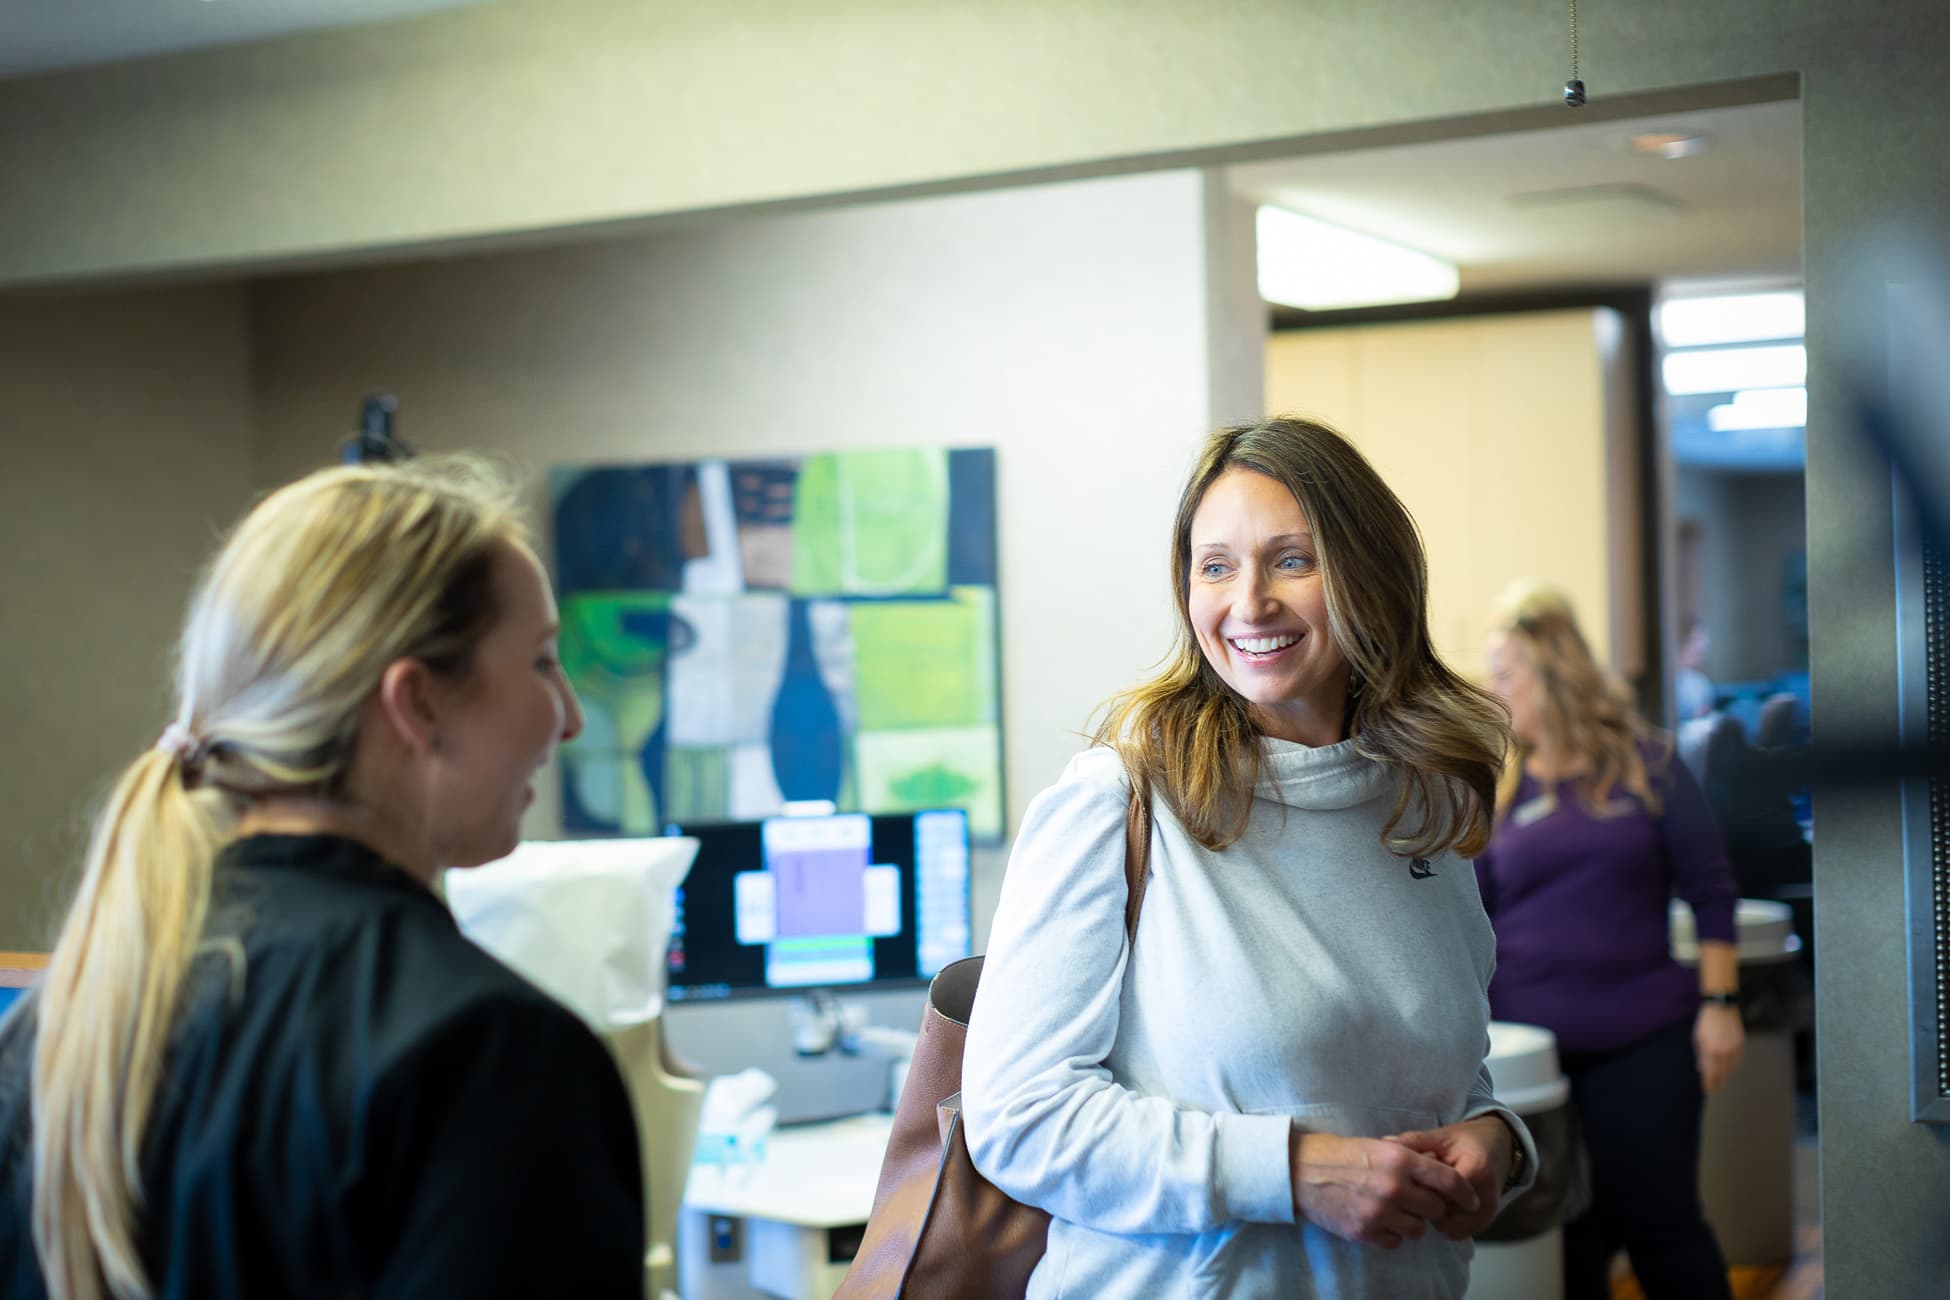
point(369, 1106)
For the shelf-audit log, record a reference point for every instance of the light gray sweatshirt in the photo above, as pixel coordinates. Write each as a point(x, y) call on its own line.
point(1304, 975)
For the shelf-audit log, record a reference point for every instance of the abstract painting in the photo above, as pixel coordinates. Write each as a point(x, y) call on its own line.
point(745, 634)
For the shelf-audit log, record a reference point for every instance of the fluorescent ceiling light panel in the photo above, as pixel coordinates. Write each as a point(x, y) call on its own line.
point(1728, 370)
point(1741, 318)
point(1316, 266)
point(1761, 408)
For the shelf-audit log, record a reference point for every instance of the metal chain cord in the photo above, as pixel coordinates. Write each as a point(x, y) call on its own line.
point(1936, 624)
point(1574, 40)
point(1574, 89)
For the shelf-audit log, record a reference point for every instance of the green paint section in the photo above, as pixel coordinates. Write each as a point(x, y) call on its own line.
point(948, 767)
point(697, 784)
point(925, 663)
point(598, 639)
point(609, 662)
point(617, 669)
point(639, 804)
point(871, 523)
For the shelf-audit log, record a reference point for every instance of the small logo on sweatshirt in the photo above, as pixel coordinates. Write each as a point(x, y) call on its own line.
point(1420, 869)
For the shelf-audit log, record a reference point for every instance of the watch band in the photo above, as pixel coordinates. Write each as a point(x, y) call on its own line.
point(1515, 1175)
point(1720, 999)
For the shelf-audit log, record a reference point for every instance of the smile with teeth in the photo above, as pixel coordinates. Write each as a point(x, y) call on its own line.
point(1262, 645)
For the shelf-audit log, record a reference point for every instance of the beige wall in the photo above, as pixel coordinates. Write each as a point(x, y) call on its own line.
point(523, 115)
point(125, 435)
point(1010, 320)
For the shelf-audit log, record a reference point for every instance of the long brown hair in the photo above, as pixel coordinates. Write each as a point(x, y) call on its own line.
point(319, 588)
point(1587, 710)
point(1189, 737)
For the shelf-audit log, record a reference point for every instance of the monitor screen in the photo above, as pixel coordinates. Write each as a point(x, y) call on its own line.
point(795, 903)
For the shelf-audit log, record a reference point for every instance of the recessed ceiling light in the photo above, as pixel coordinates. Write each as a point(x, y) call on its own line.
point(1668, 144)
point(1314, 265)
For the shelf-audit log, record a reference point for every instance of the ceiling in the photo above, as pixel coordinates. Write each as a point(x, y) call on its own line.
point(42, 35)
point(1571, 205)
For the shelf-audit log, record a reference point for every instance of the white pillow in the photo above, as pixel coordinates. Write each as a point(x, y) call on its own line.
point(586, 920)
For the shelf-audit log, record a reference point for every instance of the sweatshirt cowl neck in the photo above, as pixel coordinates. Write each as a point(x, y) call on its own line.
point(1327, 777)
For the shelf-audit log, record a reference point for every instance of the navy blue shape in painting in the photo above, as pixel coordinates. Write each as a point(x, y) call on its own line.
point(971, 517)
point(807, 748)
point(657, 627)
point(619, 528)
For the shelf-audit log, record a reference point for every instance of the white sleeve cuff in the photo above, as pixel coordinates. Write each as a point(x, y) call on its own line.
point(1254, 1168)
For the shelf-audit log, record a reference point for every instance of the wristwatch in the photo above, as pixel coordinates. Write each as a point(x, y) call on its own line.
point(1516, 1156)
point(1720, 999)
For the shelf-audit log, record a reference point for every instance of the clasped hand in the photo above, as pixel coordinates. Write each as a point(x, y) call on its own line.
point(1384, 1191)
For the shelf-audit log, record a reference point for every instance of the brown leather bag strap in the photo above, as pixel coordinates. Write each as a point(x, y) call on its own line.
point(1137, 858)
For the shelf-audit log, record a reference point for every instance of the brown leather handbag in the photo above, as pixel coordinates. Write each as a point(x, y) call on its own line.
point(939, 1230)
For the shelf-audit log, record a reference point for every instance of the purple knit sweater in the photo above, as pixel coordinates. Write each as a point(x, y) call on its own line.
point(1579, 903)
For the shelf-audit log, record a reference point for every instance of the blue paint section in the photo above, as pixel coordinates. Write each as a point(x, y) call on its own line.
point(808, 751)
point(971, 517)
point(620, 529)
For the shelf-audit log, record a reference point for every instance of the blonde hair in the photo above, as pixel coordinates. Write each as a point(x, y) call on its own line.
point(320, 586)
point(1587, 710)
point(1190, 737)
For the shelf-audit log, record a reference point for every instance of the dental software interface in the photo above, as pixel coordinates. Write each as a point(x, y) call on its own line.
point(795, 903)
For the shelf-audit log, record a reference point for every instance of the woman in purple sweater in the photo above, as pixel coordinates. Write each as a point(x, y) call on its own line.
point(1597, 828)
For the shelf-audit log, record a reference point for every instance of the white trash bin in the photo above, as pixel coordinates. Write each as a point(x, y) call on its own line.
point(1746, 1164)
point(1523, 1065)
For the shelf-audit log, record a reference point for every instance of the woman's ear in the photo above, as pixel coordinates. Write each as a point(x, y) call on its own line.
point(406, 702)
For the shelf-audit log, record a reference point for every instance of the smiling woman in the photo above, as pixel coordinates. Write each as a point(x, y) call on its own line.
point(1258, 608)
point(1295, 1031)
point(1285, 531)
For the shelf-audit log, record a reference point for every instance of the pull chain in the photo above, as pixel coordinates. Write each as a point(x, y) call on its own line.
point(1574, 89)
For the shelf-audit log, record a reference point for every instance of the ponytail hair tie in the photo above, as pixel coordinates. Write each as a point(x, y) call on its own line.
point(177, 741)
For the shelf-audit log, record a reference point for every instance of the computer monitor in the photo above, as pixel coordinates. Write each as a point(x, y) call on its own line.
point(789, 905)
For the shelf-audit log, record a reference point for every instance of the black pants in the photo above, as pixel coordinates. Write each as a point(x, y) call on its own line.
point(1641, 1111)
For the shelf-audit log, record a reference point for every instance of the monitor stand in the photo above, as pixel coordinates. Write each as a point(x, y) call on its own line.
point(724, 1036)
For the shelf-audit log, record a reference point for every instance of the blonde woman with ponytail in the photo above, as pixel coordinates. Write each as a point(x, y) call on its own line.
point(1277, 1087)
point(1597, 829)
point(263, 1062)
